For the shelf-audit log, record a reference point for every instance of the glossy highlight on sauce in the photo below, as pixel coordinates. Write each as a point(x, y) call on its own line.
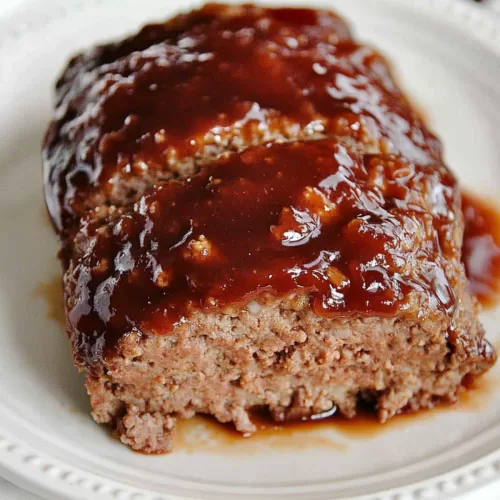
point(481, 249)
point(155, 105)
point(358, 235)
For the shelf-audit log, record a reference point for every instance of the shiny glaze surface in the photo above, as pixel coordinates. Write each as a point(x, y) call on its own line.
point(51, 292)
point(481, 250)
point(361, 235)
point(136, 109)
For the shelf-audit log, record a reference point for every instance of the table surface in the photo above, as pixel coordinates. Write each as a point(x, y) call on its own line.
point(8, 491)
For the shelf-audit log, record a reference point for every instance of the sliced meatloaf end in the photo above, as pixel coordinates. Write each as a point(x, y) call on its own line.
point(301, 277)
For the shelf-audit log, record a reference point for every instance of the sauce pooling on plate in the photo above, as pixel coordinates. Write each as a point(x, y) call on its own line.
point(481, 250)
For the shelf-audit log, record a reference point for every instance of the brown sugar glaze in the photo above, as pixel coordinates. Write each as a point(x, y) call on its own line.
point(309, 217)
point(136, 109)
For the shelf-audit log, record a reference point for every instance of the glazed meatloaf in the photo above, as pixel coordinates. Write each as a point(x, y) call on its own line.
point(251, 215)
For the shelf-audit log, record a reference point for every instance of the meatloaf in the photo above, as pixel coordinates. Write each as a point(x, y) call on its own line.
point(252, 214)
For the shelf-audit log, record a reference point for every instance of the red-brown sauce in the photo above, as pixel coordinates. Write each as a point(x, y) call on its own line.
point(360, 235)
point(481, 250)
point(134, 110)
point(481, 256)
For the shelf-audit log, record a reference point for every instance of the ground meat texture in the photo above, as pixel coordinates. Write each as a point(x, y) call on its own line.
point(253, 215)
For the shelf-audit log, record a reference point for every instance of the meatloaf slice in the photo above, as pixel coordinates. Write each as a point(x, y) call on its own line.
point(303, 277)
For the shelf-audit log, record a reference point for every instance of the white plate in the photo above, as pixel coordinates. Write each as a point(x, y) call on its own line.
point(448, 54)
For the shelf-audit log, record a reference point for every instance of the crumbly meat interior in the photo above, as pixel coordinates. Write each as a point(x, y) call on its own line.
point(283, 357)
point(252, 214)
